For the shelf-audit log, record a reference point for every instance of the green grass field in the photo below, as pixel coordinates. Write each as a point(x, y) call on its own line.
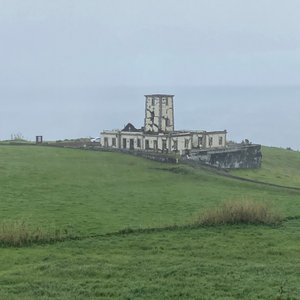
point(279, 166)
point(98, 194)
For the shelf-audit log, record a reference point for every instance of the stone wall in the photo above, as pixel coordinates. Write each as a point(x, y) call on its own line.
point(161, 157)
point(243, 156)
point(156, 156)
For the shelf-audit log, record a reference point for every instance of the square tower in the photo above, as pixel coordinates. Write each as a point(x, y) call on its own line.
point(159, 113)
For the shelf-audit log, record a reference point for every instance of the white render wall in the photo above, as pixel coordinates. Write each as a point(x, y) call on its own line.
point(159, 113)
point(120, 136)
point(215, 139)
point(180, 142)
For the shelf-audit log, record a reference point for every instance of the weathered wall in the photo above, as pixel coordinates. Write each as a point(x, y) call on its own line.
point(238, 157)
point(242, 156)
point(145, 154)
point(159, 113)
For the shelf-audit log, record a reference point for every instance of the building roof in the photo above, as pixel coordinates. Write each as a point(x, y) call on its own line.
point(130, 128)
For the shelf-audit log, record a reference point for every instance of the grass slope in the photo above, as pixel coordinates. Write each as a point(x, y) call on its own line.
point(279, 166)
point(98, 193)
point(214, 263)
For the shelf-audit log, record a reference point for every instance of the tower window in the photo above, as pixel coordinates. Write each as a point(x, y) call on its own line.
point(168, 122)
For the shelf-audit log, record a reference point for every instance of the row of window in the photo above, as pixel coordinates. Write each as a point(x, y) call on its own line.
point(153, 101)
point(147, 143)
point(164, 143)
point(210, 141)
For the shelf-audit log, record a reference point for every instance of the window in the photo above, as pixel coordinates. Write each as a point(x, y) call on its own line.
point(168, 122)
point(131, 144)
point(200, 141)
point(105, 142)
point(164, 144)
point(153, 101)
point(210, 141)
point(124, 143)
point(167, 101)
point(139, 143)
point(113, 142)
point(147, 147)
point(155, 145)
point(186, 143)
point(175, 145)
point(220, 140)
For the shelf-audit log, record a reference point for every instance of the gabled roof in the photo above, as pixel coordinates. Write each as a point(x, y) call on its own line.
point(130, 128)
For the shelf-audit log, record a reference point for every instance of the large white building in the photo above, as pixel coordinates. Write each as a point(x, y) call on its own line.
point(159, 134)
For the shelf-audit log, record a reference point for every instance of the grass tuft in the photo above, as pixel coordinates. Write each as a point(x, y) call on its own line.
point(19, 234)
point(240, 212)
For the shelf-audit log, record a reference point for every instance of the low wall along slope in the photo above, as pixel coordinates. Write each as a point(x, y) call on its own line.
point(236, 157)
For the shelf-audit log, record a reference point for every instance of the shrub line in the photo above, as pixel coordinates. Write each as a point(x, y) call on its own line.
point(216, 218)
point(124, 232)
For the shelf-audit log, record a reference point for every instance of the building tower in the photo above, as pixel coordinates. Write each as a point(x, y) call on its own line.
point(159, 113)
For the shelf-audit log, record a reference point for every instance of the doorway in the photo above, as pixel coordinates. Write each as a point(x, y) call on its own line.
point(131, 144)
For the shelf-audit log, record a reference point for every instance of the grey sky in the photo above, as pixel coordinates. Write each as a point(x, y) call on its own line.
point(66, 64)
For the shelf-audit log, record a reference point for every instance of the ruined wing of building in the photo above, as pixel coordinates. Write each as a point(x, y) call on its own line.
point(159, 135)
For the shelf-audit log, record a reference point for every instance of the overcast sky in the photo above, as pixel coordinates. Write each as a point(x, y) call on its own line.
point(71, 68)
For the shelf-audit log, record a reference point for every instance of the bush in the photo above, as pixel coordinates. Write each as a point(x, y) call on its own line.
point(19, 233)
point(240, 212)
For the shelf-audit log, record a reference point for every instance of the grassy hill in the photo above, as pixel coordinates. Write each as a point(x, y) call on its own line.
point(279, 166)
point(97, 194)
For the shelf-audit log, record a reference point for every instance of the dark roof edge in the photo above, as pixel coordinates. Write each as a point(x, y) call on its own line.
point(160, 95)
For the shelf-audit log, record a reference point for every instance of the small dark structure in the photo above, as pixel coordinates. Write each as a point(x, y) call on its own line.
point(39, 139)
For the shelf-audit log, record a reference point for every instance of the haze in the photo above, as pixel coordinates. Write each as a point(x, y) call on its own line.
point(73, 68)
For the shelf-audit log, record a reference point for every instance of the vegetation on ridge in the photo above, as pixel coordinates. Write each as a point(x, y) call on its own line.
point(20, 233)
point(240, 212)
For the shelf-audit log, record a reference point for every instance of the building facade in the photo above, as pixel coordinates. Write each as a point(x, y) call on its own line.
point(159, 134)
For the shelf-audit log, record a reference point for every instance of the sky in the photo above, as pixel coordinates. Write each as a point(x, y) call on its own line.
point(71, 68)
